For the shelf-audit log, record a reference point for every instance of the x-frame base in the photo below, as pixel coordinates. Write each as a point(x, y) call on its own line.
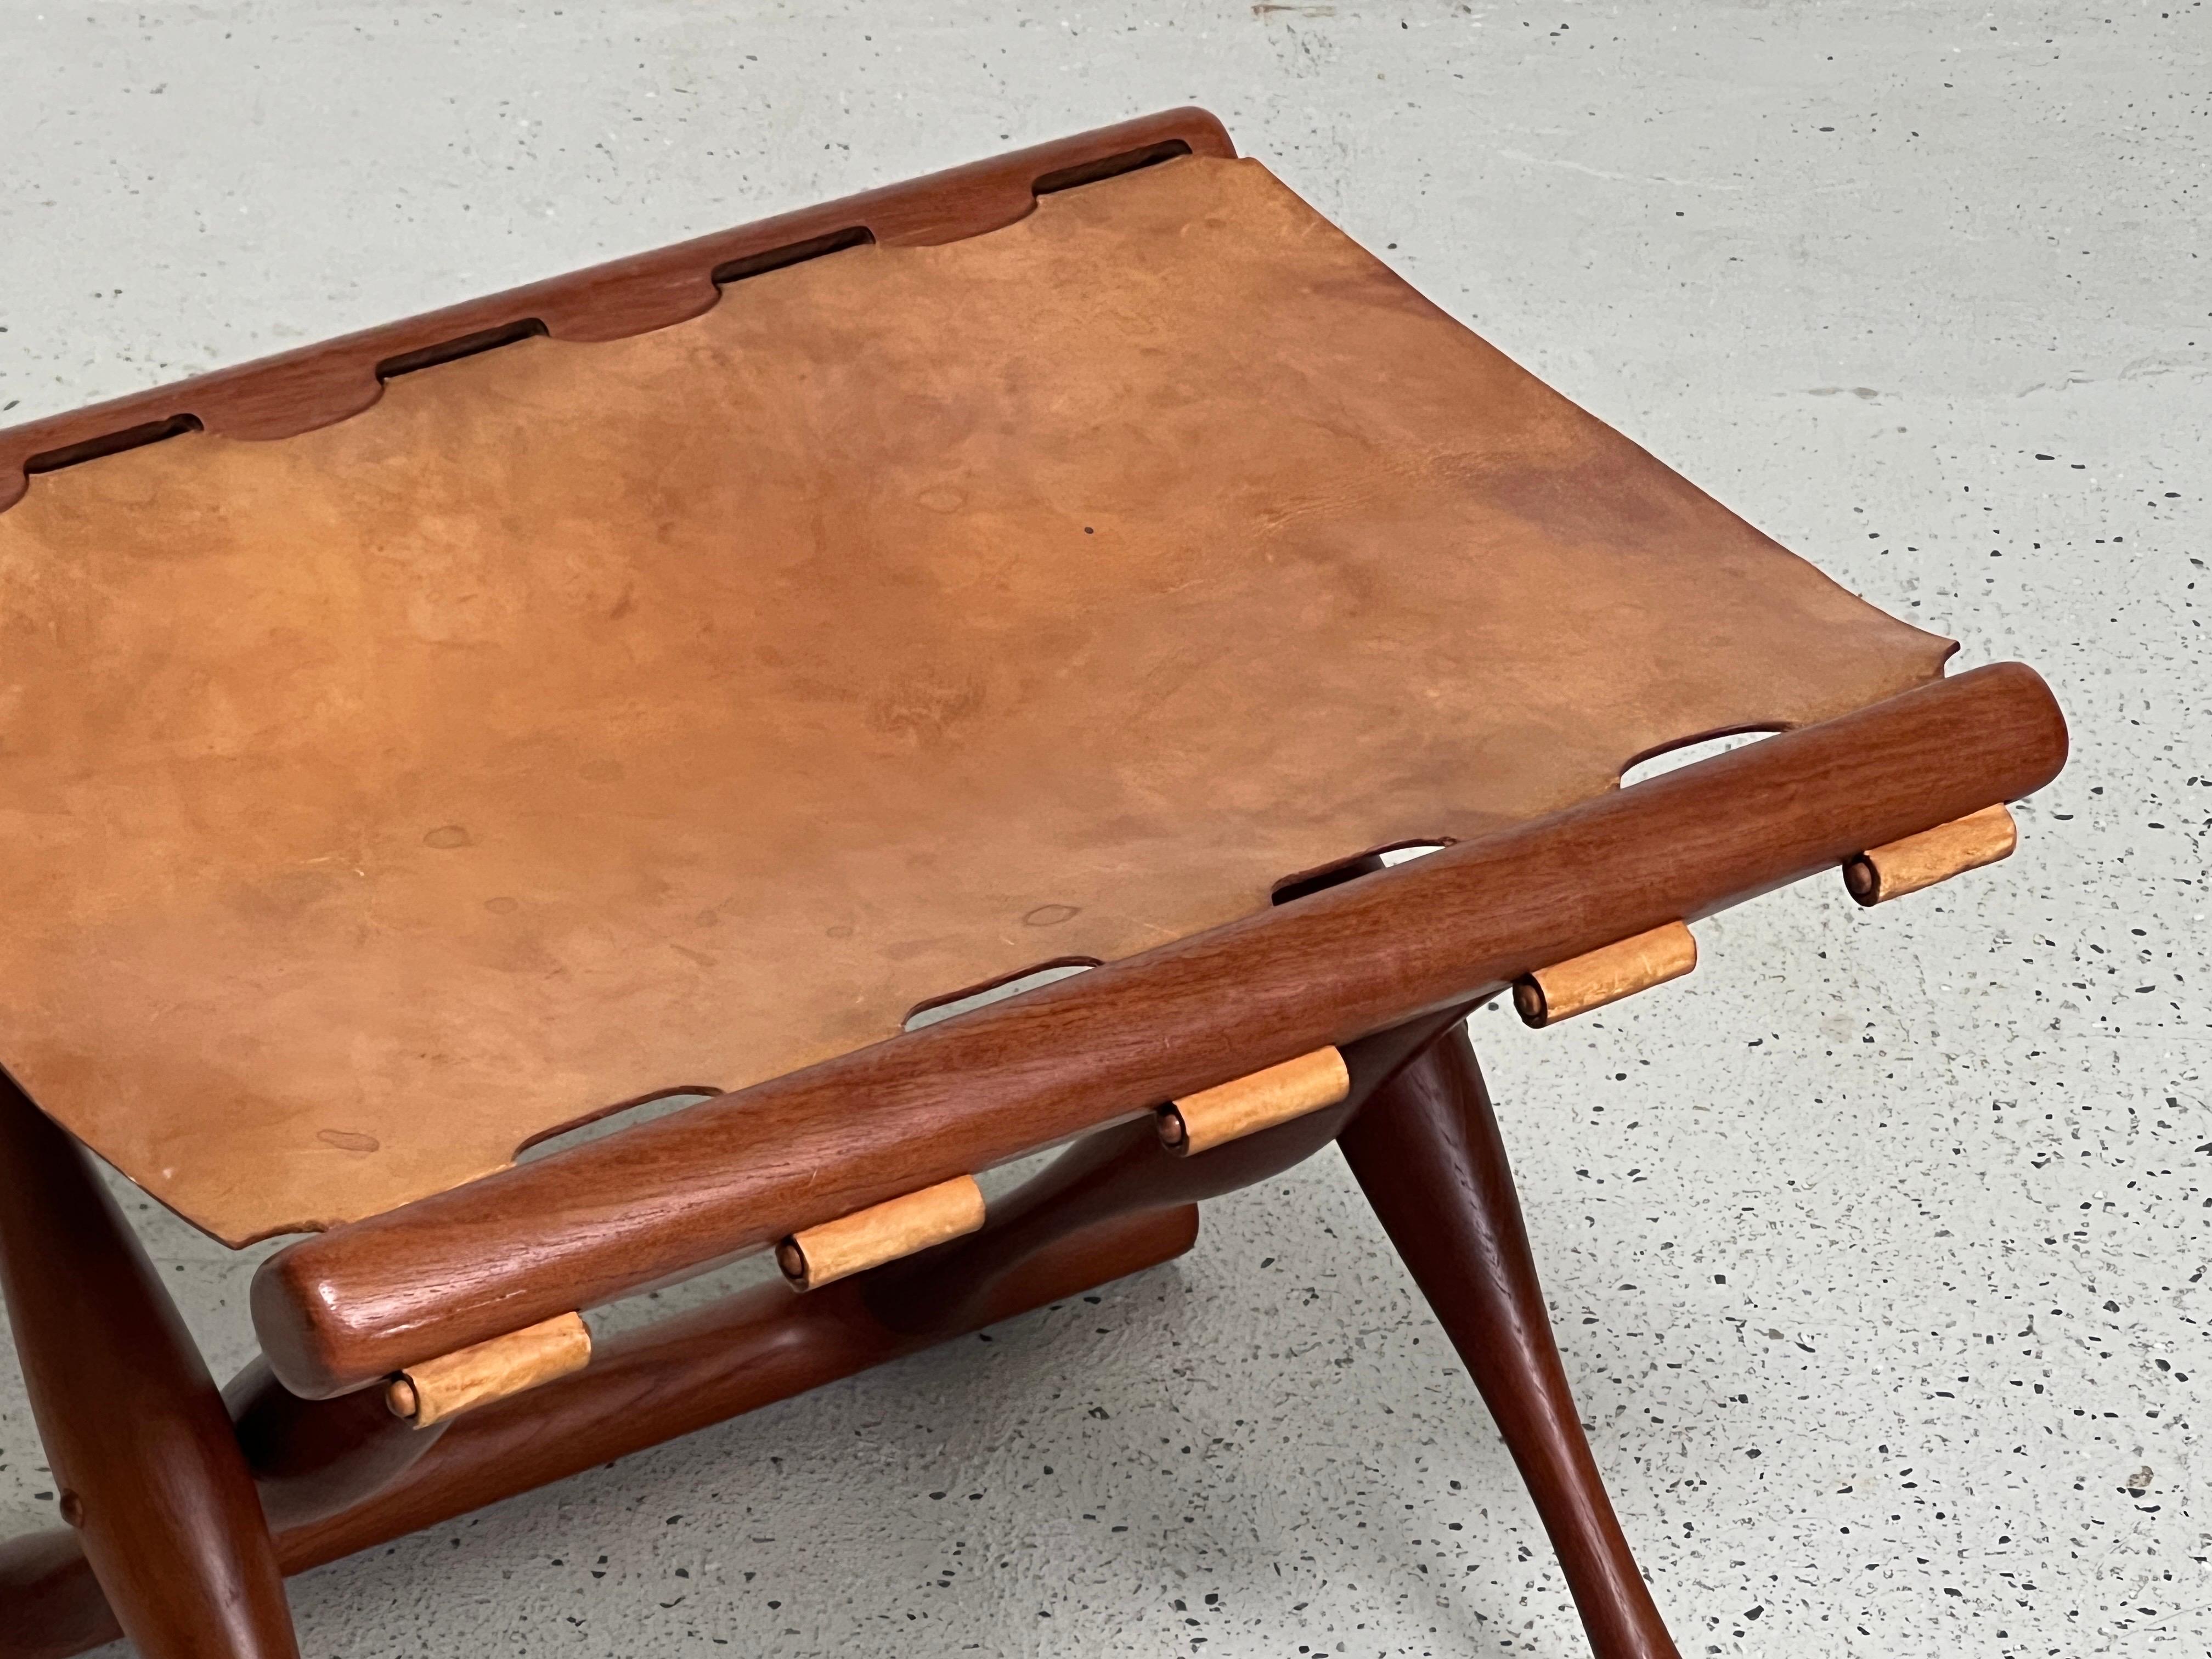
point(171, 1546)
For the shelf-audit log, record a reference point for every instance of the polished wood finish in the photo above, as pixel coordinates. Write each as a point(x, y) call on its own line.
point(584, 1225)
point(1604, 976)
point(148, 1471)
point(51, 1605)
point(437, 1390)
point(1426, 1152)
point(311, 1458)
point(1259, 1100)
point(653, 1385)
point(746, 1351)
point(300, 390)
point(883, 1232)
point(1904, 867)
point(1119, 1172)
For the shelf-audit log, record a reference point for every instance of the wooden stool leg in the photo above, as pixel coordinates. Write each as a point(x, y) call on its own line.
point(1426, 1152)
point(143, 1452)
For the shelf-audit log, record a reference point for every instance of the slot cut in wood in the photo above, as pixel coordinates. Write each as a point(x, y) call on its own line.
point(883, 1232)
point(791, 254)
point(453, 1383)
point(1108, 167)
point(465, 345)
point(1904, 867)
point(1257, 1101)
point(955, 1003)
point(110, 443)
point(1605, 974)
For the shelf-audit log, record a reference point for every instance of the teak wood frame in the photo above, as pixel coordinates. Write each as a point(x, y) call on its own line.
point(187, 1507)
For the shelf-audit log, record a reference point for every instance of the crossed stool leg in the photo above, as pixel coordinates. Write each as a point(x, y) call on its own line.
point(145, 1461)
point(1426, 1150)
point(1418, 1131)
point(160, 1476)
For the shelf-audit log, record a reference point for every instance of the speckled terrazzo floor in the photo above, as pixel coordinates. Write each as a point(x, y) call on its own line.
point(1876, 1249)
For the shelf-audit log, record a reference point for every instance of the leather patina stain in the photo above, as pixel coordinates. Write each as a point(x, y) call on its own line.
point(582, 722)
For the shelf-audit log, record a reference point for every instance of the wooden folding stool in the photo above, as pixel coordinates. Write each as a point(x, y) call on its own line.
point(674, 677)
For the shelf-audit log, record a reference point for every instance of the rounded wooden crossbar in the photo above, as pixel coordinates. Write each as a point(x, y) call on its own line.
point(1605, 974)
point(1908, 864)
point(644, 1387)
point(741, 1171)
point(435, 1389)
point(883, 1232)
point(1259, 1100)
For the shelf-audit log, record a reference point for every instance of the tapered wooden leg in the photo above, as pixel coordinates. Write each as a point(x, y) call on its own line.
point(642, 1389)
point(1426, 1152)
point(142, 1453)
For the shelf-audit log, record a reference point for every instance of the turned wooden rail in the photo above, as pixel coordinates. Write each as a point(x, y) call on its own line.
point(736, 1355)
point(737, 1173)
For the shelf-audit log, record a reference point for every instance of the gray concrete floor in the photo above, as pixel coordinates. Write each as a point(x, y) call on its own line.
point(1876, 1249)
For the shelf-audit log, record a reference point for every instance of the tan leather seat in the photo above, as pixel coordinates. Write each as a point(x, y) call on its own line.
point(587, 721)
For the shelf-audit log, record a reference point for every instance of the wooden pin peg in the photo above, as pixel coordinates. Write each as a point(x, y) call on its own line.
point(1949, 849)
point(1246, 1104)
point(1605, 975)
point(883, 1232)
point(453, 1383)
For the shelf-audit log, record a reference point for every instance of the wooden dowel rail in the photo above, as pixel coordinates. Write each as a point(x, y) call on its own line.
point(645, 1387)
point(736, 1173)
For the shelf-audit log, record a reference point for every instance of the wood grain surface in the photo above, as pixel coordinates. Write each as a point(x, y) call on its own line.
point(147, 1471)
point(1564, 989)
point(737, 1173)
point(1427, 1153)
point(674, 1378)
